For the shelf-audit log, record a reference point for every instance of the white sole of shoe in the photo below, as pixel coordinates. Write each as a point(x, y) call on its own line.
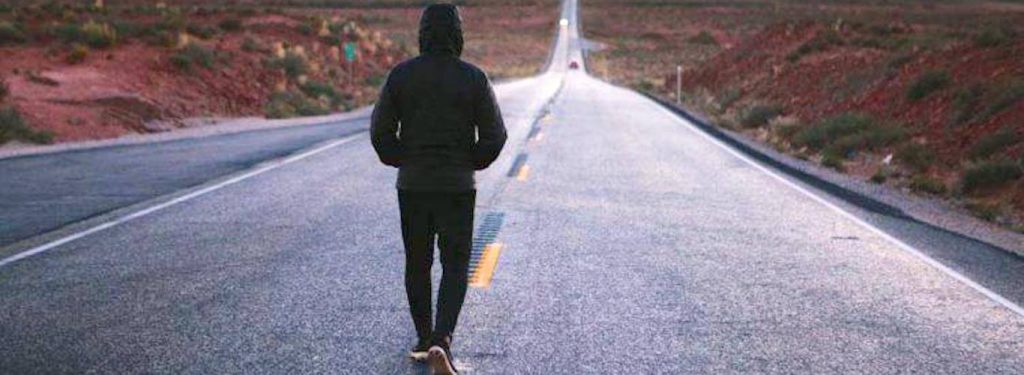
point(418, 356)
point(439, 363)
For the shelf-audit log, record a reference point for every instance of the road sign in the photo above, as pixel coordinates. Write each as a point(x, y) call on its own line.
point(350, 52)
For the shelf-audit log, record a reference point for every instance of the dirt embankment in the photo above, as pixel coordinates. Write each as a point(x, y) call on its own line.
point(81, 72)
point(917, 96)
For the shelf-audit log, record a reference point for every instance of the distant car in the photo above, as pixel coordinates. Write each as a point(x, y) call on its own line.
point(574, 65)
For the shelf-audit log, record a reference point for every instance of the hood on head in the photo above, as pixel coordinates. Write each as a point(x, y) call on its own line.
point(441, 30)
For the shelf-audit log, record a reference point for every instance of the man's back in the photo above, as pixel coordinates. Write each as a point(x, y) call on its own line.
point(437, 119)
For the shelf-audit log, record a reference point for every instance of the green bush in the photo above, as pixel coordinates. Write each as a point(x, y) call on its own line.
point(704, 37)
point(78, 54)
point(966, 103)
point(994, 143)
point(294, 65)
point(841, 135)
point(230, 24)
point(727, 98)
point(193, 54)
point(1003, 96)
point(10, 34)
point(292, 104)
point(321, 89)
point(929, 185)
point(927, 84)
point(202, 31)
point(13, 127)
point(916, 156)
point(251, 45)
point(4, 89)
point(760, 115)
point(880, 176)
point(819, 43)
point(988, 175)
point(994, 37)
point(833, 161)
point(984, 210)
point(92, 34)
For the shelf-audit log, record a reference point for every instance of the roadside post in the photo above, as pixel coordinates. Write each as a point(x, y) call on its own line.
point(679, 84)
point(350, 58)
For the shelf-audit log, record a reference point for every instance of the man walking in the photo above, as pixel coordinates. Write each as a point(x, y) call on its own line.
point(438, 122)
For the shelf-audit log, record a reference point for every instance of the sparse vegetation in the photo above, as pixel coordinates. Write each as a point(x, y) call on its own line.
point(820, 43)
point(193, 54)
point(988, 211)
point(10, 34)
point(994, 37)
point(927, 84)
point(927, 184)
point(1003, 96)
point(5, 90)
point(251, 45)
point(294, 64)
point(726, 98)
point(13, 127)
point(230, 25)
point(318, 90)
point(291, 104)
point(202, 31)
point(760, 115)
point(994, 143)
point(989, 175)
point(704, 37)
point(966, 103)
point(916, 156)
point(842, 135)
point(77, 54)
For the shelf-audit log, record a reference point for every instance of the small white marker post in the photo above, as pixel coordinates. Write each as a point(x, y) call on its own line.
point(679, 84)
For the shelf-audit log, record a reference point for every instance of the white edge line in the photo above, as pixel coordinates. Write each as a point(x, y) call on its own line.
point(899, 243)
point(195, 194)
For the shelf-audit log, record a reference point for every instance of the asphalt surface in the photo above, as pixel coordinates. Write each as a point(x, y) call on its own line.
point(632, 245)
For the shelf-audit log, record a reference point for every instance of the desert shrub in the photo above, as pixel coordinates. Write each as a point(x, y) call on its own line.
point(760, 115)
point(193, 54)
point(294, 65)
point(928, 83)
point(230, 24)
point(833, 161)
point(305, 28)
point(927, 184)
point(987, 211)
point(989, 174)
point(201, 31)
point(317, 89)
point(704, 37)
point(251, 45)
point(1003, 96)
point(92, 34)
point(331, 40)
point(10, 34)
point(916, 156)
point(77, 54)
point(880, 176)
point(841, 135)
point(993, 144)
point(4, 89)
point(727, 98)
point(994, 37)
point(291, 104)
point(819, 43)
point(13, 127)
point(966, 103)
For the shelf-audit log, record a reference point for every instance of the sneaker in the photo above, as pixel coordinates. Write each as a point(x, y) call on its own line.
point(440, 356)
point(419, 353)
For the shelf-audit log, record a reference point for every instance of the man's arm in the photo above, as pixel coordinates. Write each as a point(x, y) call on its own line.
point(384, 127)
point(490, 128)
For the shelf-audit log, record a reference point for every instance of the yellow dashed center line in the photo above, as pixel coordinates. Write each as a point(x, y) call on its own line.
point(524, 172)
point(485, 269)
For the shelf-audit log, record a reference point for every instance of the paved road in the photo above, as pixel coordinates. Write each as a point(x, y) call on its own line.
point(631, 244)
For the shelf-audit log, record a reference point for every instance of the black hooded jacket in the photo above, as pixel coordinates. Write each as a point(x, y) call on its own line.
point(437, 119)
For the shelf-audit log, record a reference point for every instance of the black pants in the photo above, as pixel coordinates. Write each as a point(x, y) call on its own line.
point(448, 218)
